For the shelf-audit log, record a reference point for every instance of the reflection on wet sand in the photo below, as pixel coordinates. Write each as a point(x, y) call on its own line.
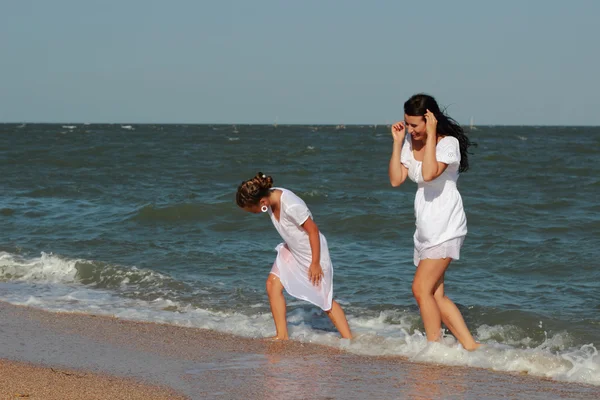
point(433, 382)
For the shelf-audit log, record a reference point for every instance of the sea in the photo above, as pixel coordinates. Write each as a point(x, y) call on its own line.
point(140, 222)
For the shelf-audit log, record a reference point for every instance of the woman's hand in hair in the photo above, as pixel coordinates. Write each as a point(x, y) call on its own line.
point(398, 131)
point(431, 125)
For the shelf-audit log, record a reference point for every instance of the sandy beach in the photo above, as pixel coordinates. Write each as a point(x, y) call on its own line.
point(23, 380)
point(63, 355)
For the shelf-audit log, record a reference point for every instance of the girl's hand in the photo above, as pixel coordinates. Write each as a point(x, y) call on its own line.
point(431, 124)
point(398, 131)
point(315, 273)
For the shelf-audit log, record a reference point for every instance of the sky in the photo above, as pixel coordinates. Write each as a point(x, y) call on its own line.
point(509, 62)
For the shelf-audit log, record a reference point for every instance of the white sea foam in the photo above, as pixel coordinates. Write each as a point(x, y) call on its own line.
point(50, 282)
point(45, 269)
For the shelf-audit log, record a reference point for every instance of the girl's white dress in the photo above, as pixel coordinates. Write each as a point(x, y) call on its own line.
point(440, 217)
point(295, 255)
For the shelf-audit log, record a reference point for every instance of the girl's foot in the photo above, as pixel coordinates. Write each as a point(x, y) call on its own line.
point(473, 347)
point(276, 338)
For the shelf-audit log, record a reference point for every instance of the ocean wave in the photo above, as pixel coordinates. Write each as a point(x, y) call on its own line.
point(55, 269)
point(182, 212)
point(369, 222)
point(62, 192)
point(390, 333)
point(6, 212)
point(57, 283)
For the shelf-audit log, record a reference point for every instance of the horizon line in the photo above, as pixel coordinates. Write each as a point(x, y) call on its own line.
point(270, 124)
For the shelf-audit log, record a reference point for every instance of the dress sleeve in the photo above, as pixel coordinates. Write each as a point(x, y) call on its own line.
point(299, 213)
point(448, 151)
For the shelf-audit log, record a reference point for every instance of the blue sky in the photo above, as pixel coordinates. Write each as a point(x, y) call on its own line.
point(528, 62)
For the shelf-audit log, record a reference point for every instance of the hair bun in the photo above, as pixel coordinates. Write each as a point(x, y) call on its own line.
point(251, 191)
point(266, 182)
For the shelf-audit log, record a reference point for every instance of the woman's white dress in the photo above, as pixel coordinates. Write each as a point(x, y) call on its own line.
point(440, 217)
point(295, 255)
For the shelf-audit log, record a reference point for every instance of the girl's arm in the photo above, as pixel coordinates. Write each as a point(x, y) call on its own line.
point(315, 272)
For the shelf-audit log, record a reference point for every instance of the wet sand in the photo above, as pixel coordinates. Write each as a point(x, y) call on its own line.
point(202, 364)
point(26, 381)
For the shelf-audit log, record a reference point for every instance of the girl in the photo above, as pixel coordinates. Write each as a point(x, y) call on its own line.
point(302, 266)
point(432, 155)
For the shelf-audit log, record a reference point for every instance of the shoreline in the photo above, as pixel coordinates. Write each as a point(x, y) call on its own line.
point(202, 364)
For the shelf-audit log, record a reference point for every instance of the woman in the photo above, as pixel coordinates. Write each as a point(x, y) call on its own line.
point(433, 155)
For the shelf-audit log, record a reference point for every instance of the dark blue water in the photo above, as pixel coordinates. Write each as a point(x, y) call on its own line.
point(140, 222)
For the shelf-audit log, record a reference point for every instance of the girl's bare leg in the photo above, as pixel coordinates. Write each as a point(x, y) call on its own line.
point(278, 308)
point(337, 316)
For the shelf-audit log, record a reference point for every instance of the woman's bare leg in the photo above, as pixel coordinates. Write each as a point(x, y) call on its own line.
point(424, 284)
point(453, 319)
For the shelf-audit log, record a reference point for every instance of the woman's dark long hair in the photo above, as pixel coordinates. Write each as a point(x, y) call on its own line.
point(418, 105)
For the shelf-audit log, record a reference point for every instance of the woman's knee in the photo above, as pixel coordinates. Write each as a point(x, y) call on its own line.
point(418, 290)
point(439, 296)
point(440, 300)
point(421, 289)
